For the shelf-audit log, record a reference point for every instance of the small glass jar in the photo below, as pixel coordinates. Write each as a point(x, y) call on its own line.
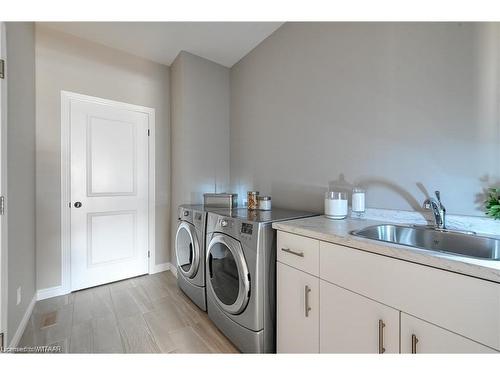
point(336, 205)
point(252, 202)
point(358, 202)
point(264, 203)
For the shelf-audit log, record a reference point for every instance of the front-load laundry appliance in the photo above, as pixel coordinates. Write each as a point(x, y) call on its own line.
point(241, 275)
point(190, 252)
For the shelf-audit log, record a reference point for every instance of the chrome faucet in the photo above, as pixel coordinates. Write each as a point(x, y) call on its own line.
point(438, 210)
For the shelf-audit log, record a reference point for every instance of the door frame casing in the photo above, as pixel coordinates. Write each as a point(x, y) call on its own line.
point(3, 191)
point(66, 98)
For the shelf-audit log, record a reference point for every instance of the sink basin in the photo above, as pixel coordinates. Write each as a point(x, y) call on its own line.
point(426, 238)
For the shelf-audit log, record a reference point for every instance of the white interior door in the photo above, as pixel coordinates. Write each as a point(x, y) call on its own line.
point(3, 190)
point(109, 193)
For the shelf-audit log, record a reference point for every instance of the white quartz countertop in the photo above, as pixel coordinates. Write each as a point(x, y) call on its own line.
point(338, 232)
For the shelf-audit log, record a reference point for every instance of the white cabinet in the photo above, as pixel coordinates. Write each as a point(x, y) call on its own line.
point(336, 299)
point(459, 303)
point(297, 311)
point(351, 323)
point(418, 336)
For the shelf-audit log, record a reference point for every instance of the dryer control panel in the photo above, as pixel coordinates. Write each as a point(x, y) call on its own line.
point(185, 214)
point(225, 223)
point(246, 228)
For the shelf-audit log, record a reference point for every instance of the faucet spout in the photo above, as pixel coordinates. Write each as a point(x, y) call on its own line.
point(438, 210)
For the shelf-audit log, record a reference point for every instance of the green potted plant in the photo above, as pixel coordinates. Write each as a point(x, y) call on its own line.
point(492, 204)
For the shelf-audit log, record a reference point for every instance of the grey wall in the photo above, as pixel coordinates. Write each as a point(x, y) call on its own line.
point(20, 169)
point(65, 62)
point(397, 108)
point(200, 130)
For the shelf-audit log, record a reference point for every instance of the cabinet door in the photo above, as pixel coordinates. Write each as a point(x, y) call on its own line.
point(418, 336)
point(297, 311)
point(351, 323)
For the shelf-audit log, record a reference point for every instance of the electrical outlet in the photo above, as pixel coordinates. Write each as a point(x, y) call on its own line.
point(18, 296)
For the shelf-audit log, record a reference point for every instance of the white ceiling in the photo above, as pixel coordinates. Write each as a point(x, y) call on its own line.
point(223, 42)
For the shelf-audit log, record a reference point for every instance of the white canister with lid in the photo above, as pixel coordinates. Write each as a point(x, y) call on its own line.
point(358, 201)
point(264, 203)
point(336, 205)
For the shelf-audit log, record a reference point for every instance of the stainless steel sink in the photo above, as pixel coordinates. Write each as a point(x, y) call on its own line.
point(469, 245)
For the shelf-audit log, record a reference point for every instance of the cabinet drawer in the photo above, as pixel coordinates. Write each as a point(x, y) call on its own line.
point(461, 304)
point(299, 252)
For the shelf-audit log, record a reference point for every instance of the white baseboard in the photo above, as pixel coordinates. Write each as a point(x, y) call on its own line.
point(160, 267)
point(51, 292)
point(22, 325)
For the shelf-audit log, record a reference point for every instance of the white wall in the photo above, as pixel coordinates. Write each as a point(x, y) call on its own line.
point(20, 170)
point(64, 62)
point(400, 109)
point(200, 130)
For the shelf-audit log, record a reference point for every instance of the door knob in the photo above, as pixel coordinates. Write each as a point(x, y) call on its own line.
point(78, 204)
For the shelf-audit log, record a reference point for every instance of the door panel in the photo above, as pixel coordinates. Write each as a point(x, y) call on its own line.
point(112, 165)
point(421, 337)
point(111, 237)
point(109, 177)
point(351, 323)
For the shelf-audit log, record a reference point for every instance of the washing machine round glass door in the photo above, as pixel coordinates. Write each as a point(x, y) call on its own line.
point(228, 276)
point(187, 249)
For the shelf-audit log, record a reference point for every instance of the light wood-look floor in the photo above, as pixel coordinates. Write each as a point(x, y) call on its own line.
point(147, 314)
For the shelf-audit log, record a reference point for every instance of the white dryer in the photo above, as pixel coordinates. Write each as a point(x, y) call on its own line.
point(190, 253)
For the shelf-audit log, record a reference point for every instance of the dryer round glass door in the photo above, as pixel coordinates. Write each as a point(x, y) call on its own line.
point(228, 276)
point(187, 249)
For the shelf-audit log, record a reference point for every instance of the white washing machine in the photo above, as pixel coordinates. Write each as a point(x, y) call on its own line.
point(190, 253)
point(241, 275)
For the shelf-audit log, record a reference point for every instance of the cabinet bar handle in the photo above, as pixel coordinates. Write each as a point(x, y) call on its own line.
point(381, 326)
point(307, 290)
point(414, 342)
point(299, 254)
